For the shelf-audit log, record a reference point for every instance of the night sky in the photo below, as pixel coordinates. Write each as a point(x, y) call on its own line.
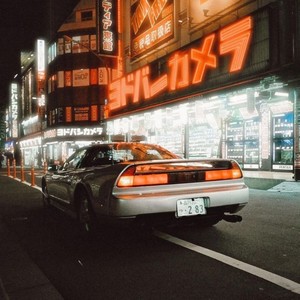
point(21, 23)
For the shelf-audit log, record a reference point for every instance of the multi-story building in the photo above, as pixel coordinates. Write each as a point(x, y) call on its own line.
point(30, 115)
point(202, 78)
point(77, 82)
point(212, 79)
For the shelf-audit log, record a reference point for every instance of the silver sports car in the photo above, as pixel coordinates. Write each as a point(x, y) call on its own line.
point(144, 183)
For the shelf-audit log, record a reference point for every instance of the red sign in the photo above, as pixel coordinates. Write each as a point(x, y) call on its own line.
point(185, 68)
point(107, 24)
point(152, 24)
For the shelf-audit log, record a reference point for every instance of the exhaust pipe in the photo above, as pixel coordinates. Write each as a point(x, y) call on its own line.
point(232, 218)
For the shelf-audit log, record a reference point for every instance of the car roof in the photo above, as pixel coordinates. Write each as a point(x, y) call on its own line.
point(117, 143)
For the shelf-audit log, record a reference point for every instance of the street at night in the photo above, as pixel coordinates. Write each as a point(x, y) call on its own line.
point(255, 259)
point(179, 118)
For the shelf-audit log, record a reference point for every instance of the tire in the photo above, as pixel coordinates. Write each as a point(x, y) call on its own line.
point(85, 215)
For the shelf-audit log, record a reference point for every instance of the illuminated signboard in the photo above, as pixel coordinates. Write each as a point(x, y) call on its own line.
point(151, 24)
point(79, 131)
point(202, 10)
point(107, 25)
point(73, 131)
point(41, 59)
point(81, 77)
point(14, 96)
point(186, 68)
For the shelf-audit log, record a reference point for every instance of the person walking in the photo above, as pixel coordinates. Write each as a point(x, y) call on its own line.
point(1, 159)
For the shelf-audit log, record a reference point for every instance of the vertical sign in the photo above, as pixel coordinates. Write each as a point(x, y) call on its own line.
point(41, 75)
point(14, 97)
point(107, 27)
point(41, 59)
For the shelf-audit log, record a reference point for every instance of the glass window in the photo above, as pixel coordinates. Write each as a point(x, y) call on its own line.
point(86, 15)
point(283, 151)
point(74, 160)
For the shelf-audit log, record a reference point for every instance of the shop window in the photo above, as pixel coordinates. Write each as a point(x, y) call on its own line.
point(74, 161)
point(283, 142)
point(283, 151)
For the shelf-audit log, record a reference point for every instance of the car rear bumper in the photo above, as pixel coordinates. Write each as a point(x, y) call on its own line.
point(221, 199)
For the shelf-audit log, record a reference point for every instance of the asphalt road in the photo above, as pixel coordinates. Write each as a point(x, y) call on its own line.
point(258, 258)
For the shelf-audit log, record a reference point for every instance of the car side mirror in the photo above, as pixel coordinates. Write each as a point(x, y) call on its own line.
point(53, 168)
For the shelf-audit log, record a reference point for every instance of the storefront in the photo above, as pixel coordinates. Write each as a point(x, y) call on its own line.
point(222, 125)
point(32, 151)
point(228, 94)
point(60, 143)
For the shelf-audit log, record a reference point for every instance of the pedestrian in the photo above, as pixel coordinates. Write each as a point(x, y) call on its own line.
point(1, 159)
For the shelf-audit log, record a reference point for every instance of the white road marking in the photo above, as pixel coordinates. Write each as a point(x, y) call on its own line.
point(29, 184)
point(271, 277)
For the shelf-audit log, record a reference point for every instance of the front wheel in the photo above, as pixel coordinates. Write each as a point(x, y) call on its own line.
point(85, 215)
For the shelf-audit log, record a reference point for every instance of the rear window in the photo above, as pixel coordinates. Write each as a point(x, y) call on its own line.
point(141, 152)
point(117, 153)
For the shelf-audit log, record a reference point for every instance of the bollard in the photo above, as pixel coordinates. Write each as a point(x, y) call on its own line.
point(32, 176)
point(14, 169)
point(22, 172)
point(8, 167)
point(45, 167)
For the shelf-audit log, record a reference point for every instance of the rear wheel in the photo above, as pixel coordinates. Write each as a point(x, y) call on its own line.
point(85, 215)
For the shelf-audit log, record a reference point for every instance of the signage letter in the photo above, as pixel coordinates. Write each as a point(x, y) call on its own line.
point(204, 58)
point(236, 39)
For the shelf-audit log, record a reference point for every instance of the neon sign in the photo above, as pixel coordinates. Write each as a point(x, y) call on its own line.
point(185, 68)
point(107, 15)
point(41, 59)
point(79, 131)
point(14, 97)
point(152, 24)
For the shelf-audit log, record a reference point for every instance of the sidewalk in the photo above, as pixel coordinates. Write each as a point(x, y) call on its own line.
point(272, 181)
point(20, 277)
point(269, 175)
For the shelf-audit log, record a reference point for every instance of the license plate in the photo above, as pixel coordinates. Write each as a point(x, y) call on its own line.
point(190, 207)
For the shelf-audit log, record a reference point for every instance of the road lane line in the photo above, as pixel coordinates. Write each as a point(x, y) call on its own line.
point(271, 277)
point(29, 184)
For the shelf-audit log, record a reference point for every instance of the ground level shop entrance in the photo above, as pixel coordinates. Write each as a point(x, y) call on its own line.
point(254, 127)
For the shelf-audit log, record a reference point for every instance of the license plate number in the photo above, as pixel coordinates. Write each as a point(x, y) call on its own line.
point(190, 207)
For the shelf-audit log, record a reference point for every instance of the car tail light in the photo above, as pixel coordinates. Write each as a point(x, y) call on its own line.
point(233, 173)
point(153, 174)
point(132, 178)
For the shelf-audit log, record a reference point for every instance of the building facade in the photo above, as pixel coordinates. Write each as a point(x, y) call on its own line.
point(202, 78)
point(30, 116)
point(212, 79)
point(77, 83)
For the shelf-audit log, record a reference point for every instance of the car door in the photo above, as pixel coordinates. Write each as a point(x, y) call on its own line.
point(60, 182)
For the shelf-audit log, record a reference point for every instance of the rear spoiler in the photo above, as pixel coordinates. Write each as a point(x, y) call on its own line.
point(178, 171)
